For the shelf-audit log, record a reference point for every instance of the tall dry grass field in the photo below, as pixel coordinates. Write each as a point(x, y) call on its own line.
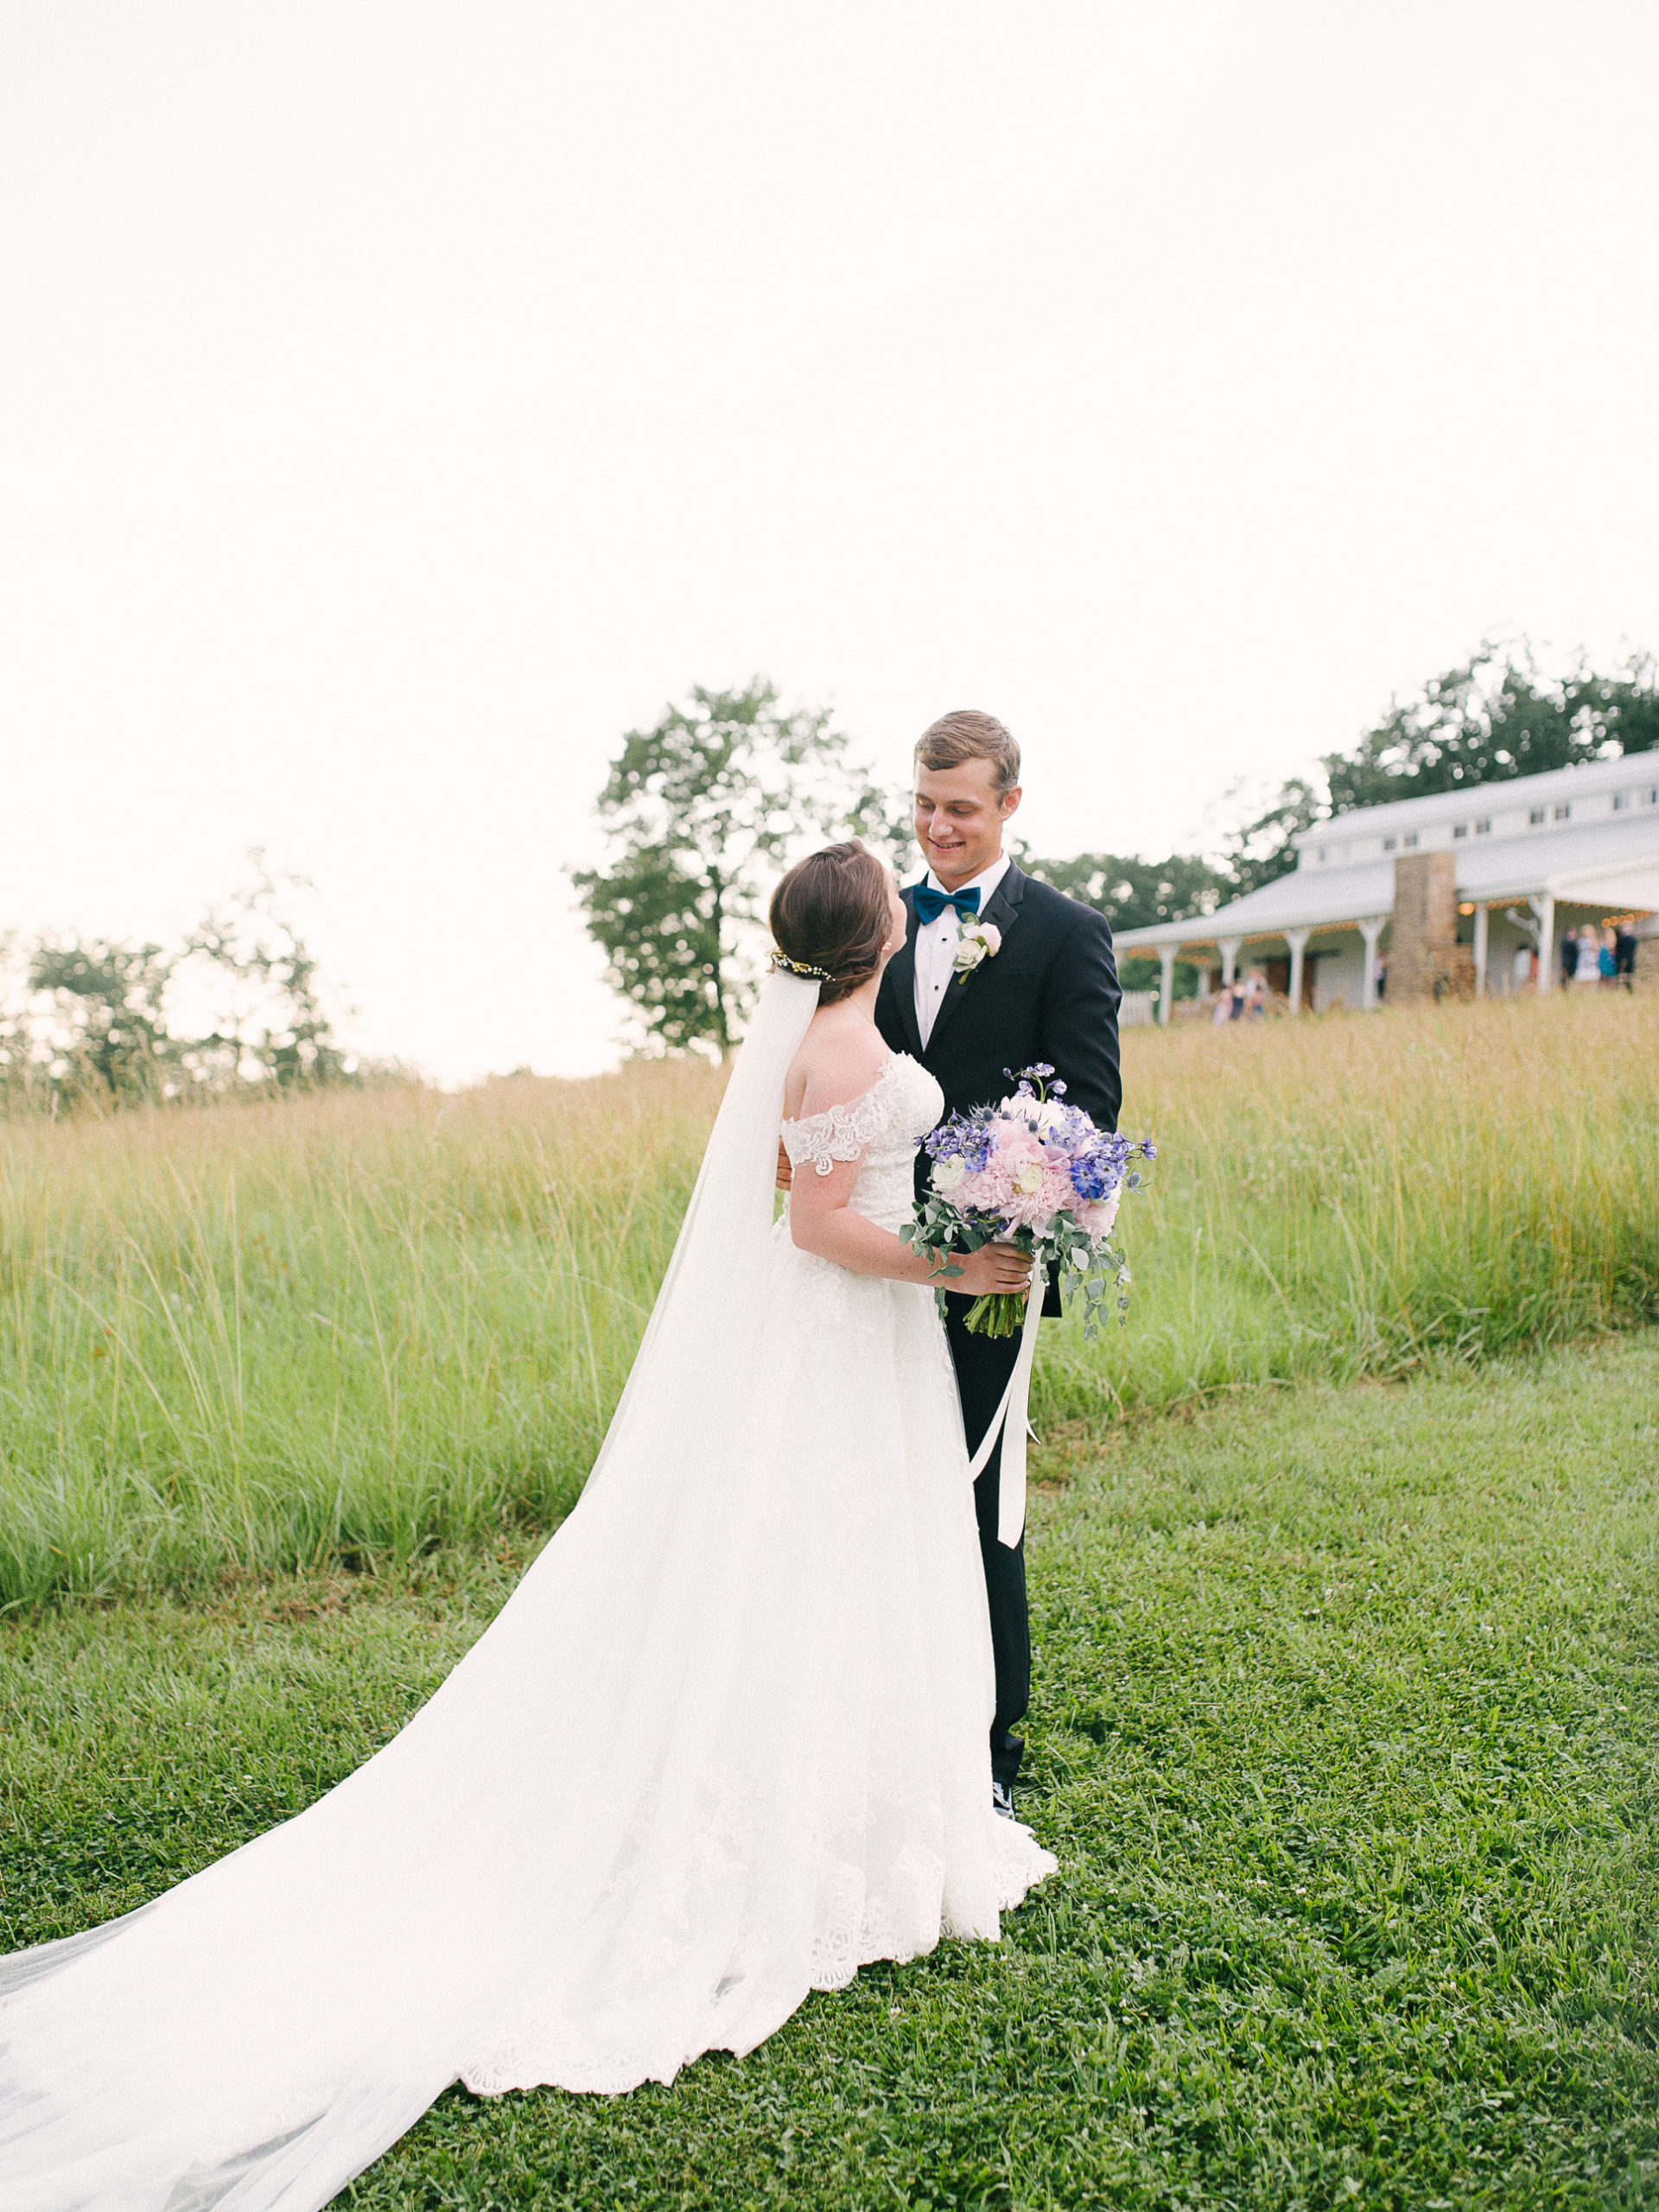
point(264, 1335)
point(1363, 1193)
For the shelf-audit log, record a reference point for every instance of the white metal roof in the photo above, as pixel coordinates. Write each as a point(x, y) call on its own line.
point(1305, 898)
point(1558, 833)
point(1590, 779)
point(1551, 859)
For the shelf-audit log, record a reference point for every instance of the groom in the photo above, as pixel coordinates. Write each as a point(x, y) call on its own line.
point(1049, 992)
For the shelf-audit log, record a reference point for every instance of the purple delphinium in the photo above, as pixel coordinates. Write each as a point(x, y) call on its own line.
point(1091, 1178)
point(964, 1135)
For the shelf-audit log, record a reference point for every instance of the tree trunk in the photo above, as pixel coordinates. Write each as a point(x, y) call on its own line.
point(724, 1033)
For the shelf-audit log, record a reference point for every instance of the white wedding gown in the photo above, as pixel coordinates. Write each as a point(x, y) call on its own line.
point(727, 1742)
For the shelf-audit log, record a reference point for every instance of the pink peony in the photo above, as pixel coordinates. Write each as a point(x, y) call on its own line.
point(1099, 1215)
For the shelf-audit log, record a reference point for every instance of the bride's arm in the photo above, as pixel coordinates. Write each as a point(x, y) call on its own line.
point(821, 1221)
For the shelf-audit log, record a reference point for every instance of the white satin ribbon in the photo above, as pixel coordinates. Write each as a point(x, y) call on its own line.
point(1012, 1422)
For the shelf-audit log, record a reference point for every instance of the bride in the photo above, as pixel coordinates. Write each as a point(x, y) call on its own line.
point(760, 1641)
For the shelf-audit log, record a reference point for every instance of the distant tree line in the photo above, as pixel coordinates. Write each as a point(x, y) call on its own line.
point(1497, 717)
point(91, 1021)
point(703, 810)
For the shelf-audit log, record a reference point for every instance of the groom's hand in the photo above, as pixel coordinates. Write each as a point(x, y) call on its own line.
point(785, 1173)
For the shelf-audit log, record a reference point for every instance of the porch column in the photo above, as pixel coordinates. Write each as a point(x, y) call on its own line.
point(1482, 924)
point(1228, 959)
point(1370, 930)
point(1297, 940)
point(1166, 989)
point(1548, 954)
point(1204, 972)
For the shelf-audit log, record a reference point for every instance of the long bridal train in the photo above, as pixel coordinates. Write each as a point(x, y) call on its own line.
point(727, 1742)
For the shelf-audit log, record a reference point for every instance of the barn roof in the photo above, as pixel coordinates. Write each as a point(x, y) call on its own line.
point(1589, 835)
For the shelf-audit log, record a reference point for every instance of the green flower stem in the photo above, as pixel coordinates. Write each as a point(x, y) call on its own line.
point(999, 1313)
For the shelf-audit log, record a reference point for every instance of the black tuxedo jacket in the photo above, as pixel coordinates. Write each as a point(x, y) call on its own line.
point(1050, 994)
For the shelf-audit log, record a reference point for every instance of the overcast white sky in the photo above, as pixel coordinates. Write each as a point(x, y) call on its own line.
point(401, 398)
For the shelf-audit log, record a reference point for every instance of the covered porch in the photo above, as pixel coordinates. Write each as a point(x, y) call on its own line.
point(1505, 945)
point(1307, 970)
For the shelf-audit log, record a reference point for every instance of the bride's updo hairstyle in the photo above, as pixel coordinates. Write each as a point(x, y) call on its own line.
point(830, 918)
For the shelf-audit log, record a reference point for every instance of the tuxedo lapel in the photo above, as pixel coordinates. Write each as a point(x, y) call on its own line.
point(901, 974)
point(1002, 908)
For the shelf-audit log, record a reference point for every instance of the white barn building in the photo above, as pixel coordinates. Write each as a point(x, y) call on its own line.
point(1460, 889)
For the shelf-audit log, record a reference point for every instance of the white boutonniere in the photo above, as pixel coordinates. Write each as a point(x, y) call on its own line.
point(979, 941)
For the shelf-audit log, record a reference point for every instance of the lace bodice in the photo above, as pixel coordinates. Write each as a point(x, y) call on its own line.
point(882, 1123)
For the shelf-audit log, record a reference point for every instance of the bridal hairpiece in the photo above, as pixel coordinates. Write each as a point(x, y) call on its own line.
point(799, 967)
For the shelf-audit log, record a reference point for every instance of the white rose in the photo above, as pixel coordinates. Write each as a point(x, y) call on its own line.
point(1029, 1179)
point(1050, 1116)
point(975, 945)
point(948, 1172)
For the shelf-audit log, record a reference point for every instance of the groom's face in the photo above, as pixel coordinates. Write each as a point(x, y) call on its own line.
point(959, 819)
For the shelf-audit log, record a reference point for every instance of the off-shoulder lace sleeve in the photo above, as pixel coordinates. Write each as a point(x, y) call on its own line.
point(840, 1132)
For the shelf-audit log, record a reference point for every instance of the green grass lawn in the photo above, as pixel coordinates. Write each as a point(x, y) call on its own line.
point(1346, 1736)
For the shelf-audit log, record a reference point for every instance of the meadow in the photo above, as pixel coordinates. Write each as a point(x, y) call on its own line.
point(1347, 1691)
point(352, 1327)
point(1348, 1702)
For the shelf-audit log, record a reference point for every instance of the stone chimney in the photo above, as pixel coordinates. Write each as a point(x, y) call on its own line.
point(1425, 959)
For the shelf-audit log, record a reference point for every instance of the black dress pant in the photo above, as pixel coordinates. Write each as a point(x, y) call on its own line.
point(983, 1365)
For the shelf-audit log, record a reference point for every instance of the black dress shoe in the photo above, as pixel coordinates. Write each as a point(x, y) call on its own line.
point(1002, 1800)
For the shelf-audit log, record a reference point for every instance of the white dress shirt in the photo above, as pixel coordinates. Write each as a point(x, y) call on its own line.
point(936, 945)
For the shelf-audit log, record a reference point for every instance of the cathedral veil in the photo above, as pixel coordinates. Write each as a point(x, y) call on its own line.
point(256, 2036)
point(707, 1310)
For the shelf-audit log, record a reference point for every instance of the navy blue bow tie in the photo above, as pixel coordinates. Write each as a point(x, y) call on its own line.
point(931, 904)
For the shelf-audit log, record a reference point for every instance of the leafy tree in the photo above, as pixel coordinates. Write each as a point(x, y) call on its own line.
point(1260, 850)
point(109, 1026)
point(702, 811)
point(1623, 709)
point(1493, 718)
point(95, 1018)
point(271, 1024)
point(1132, 893)
point(884, 817)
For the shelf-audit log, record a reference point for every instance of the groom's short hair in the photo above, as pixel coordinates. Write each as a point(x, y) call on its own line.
point(967, 734)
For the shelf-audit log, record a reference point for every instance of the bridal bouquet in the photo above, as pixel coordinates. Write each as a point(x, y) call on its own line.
point(1036, 1173)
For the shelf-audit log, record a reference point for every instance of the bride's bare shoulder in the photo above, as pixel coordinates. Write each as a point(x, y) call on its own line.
point(836, 1064)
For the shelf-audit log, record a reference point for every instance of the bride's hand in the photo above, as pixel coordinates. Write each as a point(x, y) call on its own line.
point(785, 1173)
point(993, 1267)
